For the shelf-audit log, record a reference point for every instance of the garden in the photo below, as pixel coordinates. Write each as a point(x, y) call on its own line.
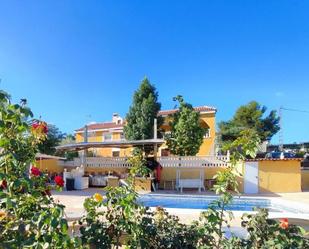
point(31, 218)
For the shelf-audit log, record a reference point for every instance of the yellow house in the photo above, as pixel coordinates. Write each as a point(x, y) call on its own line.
point(104, 132)
point(113, 131)
point(207, 120)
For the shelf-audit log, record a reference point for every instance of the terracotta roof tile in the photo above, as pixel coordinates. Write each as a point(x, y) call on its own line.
point(198, 109)
point(111, 125)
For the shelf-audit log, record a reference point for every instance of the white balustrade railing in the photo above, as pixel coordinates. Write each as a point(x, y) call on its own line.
point(194, 161)
point(107, 162)
point(168, 161)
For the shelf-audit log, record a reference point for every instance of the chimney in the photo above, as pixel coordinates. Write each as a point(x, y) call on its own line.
point(116, 118)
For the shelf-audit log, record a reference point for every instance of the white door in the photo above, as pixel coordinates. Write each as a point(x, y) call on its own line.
point(251, 181)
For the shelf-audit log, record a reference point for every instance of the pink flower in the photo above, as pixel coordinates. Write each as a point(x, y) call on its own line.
point(35, 171)
point(59, 181)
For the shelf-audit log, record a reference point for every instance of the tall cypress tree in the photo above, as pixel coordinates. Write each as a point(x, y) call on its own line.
point(142, 112)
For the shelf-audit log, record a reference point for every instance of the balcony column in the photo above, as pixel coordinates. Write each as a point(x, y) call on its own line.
point(84, 154)
point(155, 147)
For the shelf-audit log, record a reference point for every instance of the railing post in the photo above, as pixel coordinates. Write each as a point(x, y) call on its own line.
point(228, 156)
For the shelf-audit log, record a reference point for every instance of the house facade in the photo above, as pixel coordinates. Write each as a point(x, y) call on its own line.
point(113, 131)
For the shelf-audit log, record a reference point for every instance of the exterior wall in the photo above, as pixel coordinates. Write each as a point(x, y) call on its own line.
point(169, 174)
point(279, 176)
point(305, 180)
point(98, 137)
point(103, 152)
point(207, 147)
point(108, 152)
point(49, 165)
point(126, 152)
point(79, 137)
point(208, 120)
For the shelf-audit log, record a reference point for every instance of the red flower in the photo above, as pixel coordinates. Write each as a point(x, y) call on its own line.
point(40, 127)
point(44, 127)
point(59, 181)
point(3, 184)
point(35, 126)
point(284, 223)
point(35, 171)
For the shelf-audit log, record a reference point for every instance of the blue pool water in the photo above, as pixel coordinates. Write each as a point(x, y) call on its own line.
point(202, 202)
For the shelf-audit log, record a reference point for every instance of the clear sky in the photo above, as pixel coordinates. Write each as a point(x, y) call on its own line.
point(80, 61)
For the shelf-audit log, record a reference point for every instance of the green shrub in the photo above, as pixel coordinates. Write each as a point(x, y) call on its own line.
point(268, 233)
point(29, 216)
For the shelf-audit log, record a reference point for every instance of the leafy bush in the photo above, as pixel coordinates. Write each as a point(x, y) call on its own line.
point(138, 165)
point(117, 218)
point(30, 217)
point(268, 233)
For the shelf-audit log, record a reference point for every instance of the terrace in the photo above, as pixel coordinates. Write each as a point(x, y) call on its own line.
point(177, 168)
point(178, 171)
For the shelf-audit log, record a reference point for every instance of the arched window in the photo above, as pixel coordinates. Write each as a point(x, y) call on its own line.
point(206, 127)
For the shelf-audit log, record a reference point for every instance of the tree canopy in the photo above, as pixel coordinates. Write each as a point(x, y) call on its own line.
point(67, 139)
point(186, 134)
point(142, 112)
point(54, 138)
point(251, 116)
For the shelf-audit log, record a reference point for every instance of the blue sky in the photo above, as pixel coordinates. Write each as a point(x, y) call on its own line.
point(72, 59)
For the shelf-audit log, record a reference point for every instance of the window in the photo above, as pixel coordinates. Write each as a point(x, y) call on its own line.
point(115, 153)
point(122, 137)
point(90, 133)
point(107, 137)
point(207, 133)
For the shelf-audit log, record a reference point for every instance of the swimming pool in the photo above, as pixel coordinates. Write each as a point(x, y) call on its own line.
point(203, 202)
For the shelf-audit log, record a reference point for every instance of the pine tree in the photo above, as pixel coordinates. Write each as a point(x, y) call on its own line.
point(250, 116)
point(142, 112)
point(186, 134)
